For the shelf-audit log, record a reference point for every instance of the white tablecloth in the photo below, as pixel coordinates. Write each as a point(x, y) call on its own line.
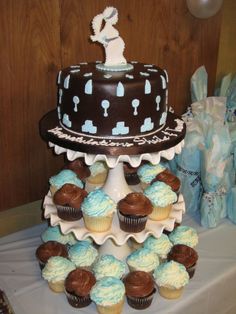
point(212, 289)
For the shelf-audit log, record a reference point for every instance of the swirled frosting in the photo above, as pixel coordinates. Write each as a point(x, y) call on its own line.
point(49, 249)
point(136, 204)
point(79, 167)
point(171, 274)
point(109, 265)
point(96, 168)
point(184, 235)
point(168, 178)
point(107, 291)
point(57, 268)
point(80, 282)
point(148, 172)
point(160, 194)
point(97, 204)
point(143, 259)
point(183, 254)
point(54, 234)
point(161, 246)
point(69, 195)
point(138, 284)
point(65, 176)
point(83, 254)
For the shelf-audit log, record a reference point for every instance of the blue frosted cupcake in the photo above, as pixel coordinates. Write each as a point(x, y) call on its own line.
point(98, 210)
point(161, 246)
point(162, 197)
point(143, 259)
point(184, 235)
point(148, 172)
point(109, 265)
point(63, 177)
point(98, 173)
point(83, 254)
point(108, 294)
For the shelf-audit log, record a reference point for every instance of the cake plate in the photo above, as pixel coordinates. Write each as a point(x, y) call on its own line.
point(115, 240)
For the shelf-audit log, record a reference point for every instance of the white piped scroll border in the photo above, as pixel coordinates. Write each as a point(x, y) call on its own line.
point(112, 161)
point(120, 237)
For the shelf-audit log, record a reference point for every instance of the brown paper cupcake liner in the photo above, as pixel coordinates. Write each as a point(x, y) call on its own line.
point(78, 301)
point(132, 223)
point(140, 303)
point(69, 213)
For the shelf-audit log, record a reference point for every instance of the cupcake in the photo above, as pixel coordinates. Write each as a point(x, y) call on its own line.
point(133, 211)
point(171, 277)
point(108, 294)
point(139, 289)
point(184, 235)
point(168, 178)
point(185, 255)
point(131, 175)
point(55, 272)
point(161, 246)
point(78, 285)
point(63, 177)
point(79, 167)
point(148, 172)
point(142, 259)
point(98, 210)
point(49, 249)
point(162, 197)
point(98, 173)
point(83, 254)
point(54, 234)
point(68, 200)
point(109, 265)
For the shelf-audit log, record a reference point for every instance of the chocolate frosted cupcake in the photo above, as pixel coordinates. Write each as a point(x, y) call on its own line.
point(184, 255)
point(139, 288)
point(168, 178)
point(68, 200)
point(79, 167)
point(133, 211)
point(131, 175)
point(49, 249)
point(78, 285)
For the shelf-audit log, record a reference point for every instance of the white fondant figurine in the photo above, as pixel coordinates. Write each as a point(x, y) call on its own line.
point(109, 37)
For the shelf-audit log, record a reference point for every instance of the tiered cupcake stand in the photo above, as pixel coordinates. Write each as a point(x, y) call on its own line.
point(115, 241)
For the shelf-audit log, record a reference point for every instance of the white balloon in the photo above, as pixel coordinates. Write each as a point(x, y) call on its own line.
point(204, 9)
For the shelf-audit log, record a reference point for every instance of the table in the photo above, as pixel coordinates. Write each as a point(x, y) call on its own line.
point(212, 290)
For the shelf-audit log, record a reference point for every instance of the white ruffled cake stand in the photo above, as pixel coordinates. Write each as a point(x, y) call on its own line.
point(115, 240)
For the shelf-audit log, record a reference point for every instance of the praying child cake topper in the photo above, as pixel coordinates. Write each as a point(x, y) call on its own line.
point(106, 34)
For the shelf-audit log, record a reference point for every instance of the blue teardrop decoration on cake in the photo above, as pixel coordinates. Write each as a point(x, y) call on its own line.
point(129, 76)
point(88, 127)
point(163, 81)
point(120, 129)
point(60, 95)
point(105, 105)
point(88, 89)
point(148, 125)
point(158, 99)
point(144, 74)
point(76, 102)
point(59, 112)
point(66, 120)
point(163, 118)
point(88, 74)
point(120, 91)
point(147, 89)
point(152, 70)
point(59, 78)
point(67, 82)
point(135, 104)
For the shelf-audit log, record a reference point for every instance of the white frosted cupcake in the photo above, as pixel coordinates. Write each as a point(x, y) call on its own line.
point(83, 254)
point(63, 177)
point(184, 235)
point(162, 197)
point(55, 272)
point(108, 294)
point(98, 210)
point(171, 277)
point(143, 259)
point(109, 265)
point(161, 246)
point(148, 172)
